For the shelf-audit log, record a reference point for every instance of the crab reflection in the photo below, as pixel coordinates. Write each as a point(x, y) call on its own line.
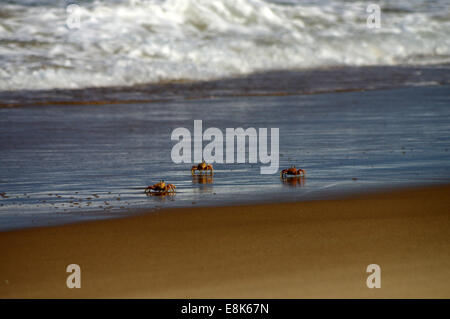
point(202, 179)
point(296, 181)
point(161, 197)
point(204, 182)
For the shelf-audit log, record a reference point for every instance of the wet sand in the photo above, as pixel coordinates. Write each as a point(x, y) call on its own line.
point(63, 164)
point(288, 250)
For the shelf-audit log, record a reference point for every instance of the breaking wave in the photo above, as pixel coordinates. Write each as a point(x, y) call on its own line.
point(129, 42)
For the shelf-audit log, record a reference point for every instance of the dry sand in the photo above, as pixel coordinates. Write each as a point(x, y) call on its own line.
point(289, 250)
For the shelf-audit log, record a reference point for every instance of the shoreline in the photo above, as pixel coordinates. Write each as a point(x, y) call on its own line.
point(315, 249)
point(44, 220)
point(112, 102)
point(338, 79)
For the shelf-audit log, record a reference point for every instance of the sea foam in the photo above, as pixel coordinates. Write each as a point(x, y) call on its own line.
point(129, 42)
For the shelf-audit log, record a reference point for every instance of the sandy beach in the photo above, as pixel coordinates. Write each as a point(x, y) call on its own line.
point(101, 99)
point(290, 250)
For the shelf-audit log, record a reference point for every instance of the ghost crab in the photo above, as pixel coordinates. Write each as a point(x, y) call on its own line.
point(202, 167)
point(292, 171)
point(160, 188)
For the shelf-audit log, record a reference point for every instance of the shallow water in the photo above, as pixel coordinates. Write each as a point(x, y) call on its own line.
point(69, 163)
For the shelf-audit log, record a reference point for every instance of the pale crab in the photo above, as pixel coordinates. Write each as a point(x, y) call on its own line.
point(292, 171)
point(202, 167)
point(160, 188)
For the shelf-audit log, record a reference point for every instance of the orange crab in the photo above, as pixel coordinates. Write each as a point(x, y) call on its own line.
point(202, 167)
point(293, 171)
point(161, 188)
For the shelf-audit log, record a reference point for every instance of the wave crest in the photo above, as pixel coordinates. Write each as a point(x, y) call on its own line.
point(141, 41)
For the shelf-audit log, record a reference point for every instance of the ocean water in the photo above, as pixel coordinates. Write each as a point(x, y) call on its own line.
point(130, 42)
point(62, 163)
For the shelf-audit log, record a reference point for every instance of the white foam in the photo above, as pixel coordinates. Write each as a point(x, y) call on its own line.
point(127, 42)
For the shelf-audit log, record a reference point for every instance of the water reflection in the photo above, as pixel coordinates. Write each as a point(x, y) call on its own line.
point(202, 179)
point(204, 182)
point(161, 197)
point(295, 181)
